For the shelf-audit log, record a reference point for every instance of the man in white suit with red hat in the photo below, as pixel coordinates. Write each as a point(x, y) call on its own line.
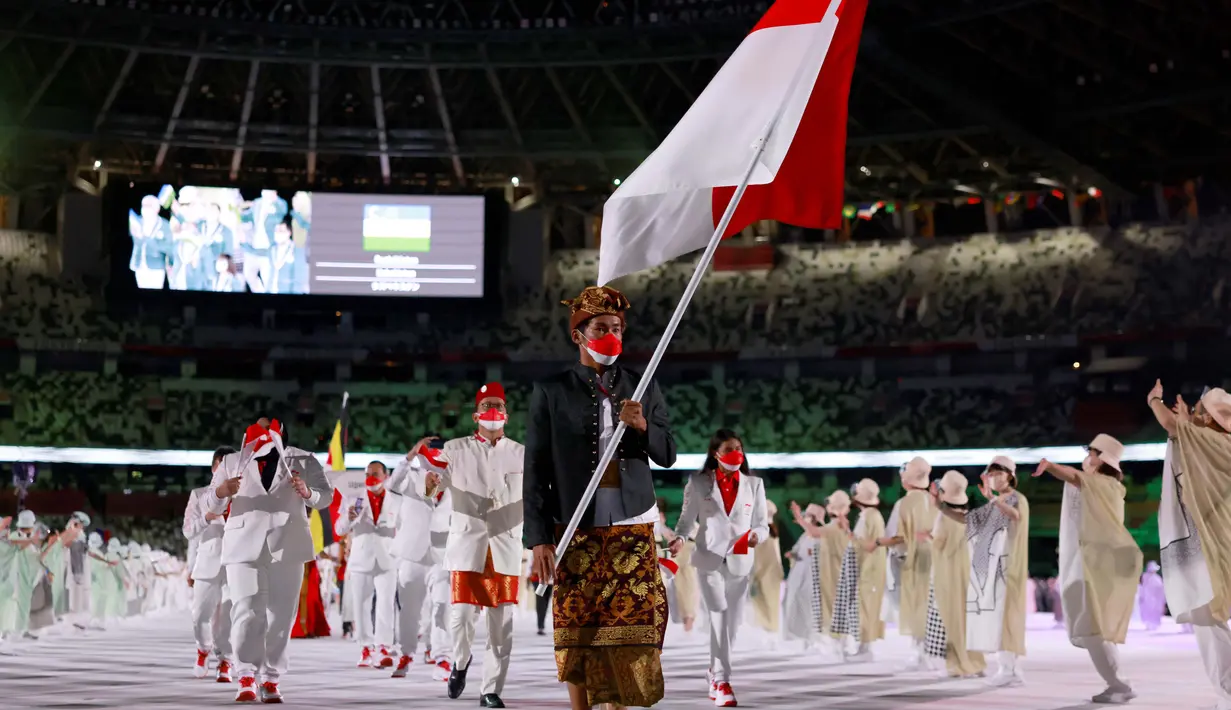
point(422, 580)
point(265, 490)
point(211, 609)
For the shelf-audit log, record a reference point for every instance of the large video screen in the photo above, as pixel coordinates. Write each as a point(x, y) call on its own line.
point(230, 240)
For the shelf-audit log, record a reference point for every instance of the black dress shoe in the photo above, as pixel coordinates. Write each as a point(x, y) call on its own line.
point(457, 681)
point(491, 700)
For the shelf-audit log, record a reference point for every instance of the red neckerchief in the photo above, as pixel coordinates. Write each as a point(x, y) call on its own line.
point(227, 515)
point(376, 500)
point(728, 486)
point(439, 496)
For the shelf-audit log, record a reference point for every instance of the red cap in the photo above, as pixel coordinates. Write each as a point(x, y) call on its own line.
point(491, 389)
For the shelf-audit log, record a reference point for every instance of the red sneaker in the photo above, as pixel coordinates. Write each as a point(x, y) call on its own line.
point(403, 667)
point(386, 661)
point(724, 697)
point(247, 690)
point(199, 670)
point(224, 671)
point(365, 660)
point(270, 693)
point(443, 669)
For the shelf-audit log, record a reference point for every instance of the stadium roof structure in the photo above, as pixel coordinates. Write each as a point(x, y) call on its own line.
point(567, 96)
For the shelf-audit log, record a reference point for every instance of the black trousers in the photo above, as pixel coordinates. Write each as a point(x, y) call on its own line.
point(542, 605)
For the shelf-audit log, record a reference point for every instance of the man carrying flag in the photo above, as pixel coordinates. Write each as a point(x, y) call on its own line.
point(765, 140)
point(610, 610)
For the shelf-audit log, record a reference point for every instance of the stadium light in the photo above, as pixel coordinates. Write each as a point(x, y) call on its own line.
point(685, 462)
point(616, 182)
point(98, 164)
point(516, 181)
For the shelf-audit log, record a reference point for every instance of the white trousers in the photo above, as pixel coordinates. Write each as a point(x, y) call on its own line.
point(724, 594)
point(211, 616)
point(499, 642)
point(383, 584)
point(1214, 642)
point(412, 598)
point(1106, 658)
point(264, 599)
point(79, 611)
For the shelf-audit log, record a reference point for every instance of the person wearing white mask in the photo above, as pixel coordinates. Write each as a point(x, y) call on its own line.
point(724, 505)
point(422, 581)
point(21, 563)
point(1100, 562)
point(77, 568)
point(211, 607)
point(483, 553)
point(371, 520)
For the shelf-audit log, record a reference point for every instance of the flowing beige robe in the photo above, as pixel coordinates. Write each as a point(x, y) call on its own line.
point(951, 577)
point(1206, 494)
point(831, 548)
point(871, 575)
point(1110, 561)
point(687, 587)
point(767, 581)
point(915, 515)
point(1016, 578)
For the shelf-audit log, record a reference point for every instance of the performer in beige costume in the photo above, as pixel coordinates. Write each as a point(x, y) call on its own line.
point(869, 528)
point(767, 577)
point(1100, 562)
point(911, 515)
point(996, 608)
point(950, 579)
point(1194, 525)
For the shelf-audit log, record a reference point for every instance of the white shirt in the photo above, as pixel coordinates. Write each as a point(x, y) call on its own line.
point(609, 502)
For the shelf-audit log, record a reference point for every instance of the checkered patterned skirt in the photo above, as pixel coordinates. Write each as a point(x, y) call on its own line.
point(935, 641)
point(846, 605)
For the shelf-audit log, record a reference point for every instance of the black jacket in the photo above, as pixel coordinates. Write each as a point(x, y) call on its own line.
point(562, 449)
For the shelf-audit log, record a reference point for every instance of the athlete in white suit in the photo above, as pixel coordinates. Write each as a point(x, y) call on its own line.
point(265, 543)
point(483, 554)
point(371, 520)
point(725, 506)
point(423, 582)
point(211, 609)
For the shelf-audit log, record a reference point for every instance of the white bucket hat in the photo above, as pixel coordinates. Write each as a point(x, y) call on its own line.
point(1217, 404)
point(82, 518)
point(915, 473)
point(25, 520)
point(867, 492)
point(953, 488)
point(838, 504)
point(815, 511)
point(1110, 450)
point(95, 541)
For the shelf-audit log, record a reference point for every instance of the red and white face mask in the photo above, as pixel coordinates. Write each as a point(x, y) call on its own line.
point(374, 483)
point(731, 461)
point(493, 419)
point(605, 350)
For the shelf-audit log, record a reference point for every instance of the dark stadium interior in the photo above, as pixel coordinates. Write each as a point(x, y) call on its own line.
point(1036, 229)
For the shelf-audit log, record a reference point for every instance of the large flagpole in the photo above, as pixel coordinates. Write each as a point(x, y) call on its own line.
point(639, 393)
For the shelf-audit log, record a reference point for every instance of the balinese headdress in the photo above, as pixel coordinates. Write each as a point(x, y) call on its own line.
point(596, 301)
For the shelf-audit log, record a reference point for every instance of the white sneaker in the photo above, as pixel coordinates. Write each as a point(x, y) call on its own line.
point(724, 697)
point(860, 657)
point(709, 680)
point(201, 666)
point(1114, 696)
point(1006, 680)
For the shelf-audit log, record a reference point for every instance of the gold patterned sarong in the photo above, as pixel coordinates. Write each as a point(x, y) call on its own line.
point(610, 616)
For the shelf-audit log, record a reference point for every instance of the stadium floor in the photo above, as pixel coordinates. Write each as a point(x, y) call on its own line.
point(144, 663)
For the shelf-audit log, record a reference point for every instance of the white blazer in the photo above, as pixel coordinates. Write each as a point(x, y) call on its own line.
point(423, 525)
point(485, 484)
point(371, 540)
point(276, 519)
point(205, 538)
point(718, 531)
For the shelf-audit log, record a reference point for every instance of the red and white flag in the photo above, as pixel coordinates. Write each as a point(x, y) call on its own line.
point(793, 71)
